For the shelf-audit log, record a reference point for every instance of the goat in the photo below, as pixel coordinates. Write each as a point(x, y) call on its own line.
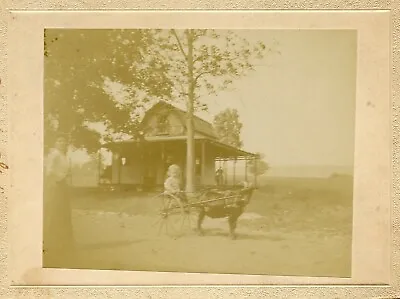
point(221, 204)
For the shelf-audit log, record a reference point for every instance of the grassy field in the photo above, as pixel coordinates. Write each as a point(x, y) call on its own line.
point(291, 227)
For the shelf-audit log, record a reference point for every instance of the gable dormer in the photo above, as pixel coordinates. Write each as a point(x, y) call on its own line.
point(162, 121)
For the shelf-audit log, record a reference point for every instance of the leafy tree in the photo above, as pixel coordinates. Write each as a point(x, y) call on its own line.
point(82, 66)
point(203, 62)
point(169, 64)
point(228, 127)
point(258, 167)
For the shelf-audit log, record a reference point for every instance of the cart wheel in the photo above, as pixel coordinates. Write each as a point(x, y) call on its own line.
point(175, 218)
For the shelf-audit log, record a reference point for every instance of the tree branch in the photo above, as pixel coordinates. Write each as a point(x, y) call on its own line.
point(179, 43)
point(183, 91)
point(199, 75)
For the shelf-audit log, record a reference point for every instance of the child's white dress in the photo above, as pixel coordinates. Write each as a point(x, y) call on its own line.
point(172, 184)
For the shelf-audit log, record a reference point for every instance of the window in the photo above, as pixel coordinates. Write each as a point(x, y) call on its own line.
point(162, 124)
point(125, 161)
point(198, 166)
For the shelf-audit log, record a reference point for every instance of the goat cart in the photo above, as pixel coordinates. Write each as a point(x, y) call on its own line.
point(178, 214)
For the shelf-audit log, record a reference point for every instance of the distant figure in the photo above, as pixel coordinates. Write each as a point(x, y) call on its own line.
point(58, 235)
point(219, 174)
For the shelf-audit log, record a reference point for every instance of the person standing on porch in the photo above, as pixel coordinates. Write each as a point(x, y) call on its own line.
point(219, 176)
point(58, 238)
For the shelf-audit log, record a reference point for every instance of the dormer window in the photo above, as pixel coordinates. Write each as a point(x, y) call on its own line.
point(162, 124)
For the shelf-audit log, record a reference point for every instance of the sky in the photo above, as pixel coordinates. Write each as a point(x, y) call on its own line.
point(298, 106)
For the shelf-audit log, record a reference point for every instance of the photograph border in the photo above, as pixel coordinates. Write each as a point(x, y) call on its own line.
point(196, 292)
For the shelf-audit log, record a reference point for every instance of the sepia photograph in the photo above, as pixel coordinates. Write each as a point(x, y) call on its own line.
point(199, 150)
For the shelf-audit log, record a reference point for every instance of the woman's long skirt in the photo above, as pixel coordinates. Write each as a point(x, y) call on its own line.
point(58, 241)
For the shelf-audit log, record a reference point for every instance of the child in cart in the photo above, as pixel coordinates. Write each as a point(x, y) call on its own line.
point(172, 185)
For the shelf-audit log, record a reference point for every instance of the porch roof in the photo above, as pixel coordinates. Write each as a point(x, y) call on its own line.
point(223, 151)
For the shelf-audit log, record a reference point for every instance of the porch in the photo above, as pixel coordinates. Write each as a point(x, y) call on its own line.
point(144, 163)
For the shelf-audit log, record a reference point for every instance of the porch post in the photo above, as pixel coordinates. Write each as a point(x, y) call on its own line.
point(234, 172)
point(119, 161)
point(225, 172)
point(203, 162)
point(221, 178)
point(255, 170)
point(163, 170)
point(245, 169)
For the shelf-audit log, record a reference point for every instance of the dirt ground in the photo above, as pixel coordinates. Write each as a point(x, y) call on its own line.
point(290, 227)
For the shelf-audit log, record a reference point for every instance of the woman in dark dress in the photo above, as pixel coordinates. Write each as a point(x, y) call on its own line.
point(57, 223)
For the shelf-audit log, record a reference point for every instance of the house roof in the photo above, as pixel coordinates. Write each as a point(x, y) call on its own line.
point(224, 151)
point(200, 125)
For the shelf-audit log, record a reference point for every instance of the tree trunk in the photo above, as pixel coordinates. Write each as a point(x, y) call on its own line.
point(234, 172)
point(190, 150)
point(225, 173)
point(245, 171)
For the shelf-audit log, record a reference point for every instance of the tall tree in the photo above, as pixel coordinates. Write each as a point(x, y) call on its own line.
point(203, 62)
point(82, 69)
point(228, 127)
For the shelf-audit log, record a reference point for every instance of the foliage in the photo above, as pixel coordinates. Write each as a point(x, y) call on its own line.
point(81, 68)
point(260, 167)
point(228, 127)
point(204, 62)
point(218, 58)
